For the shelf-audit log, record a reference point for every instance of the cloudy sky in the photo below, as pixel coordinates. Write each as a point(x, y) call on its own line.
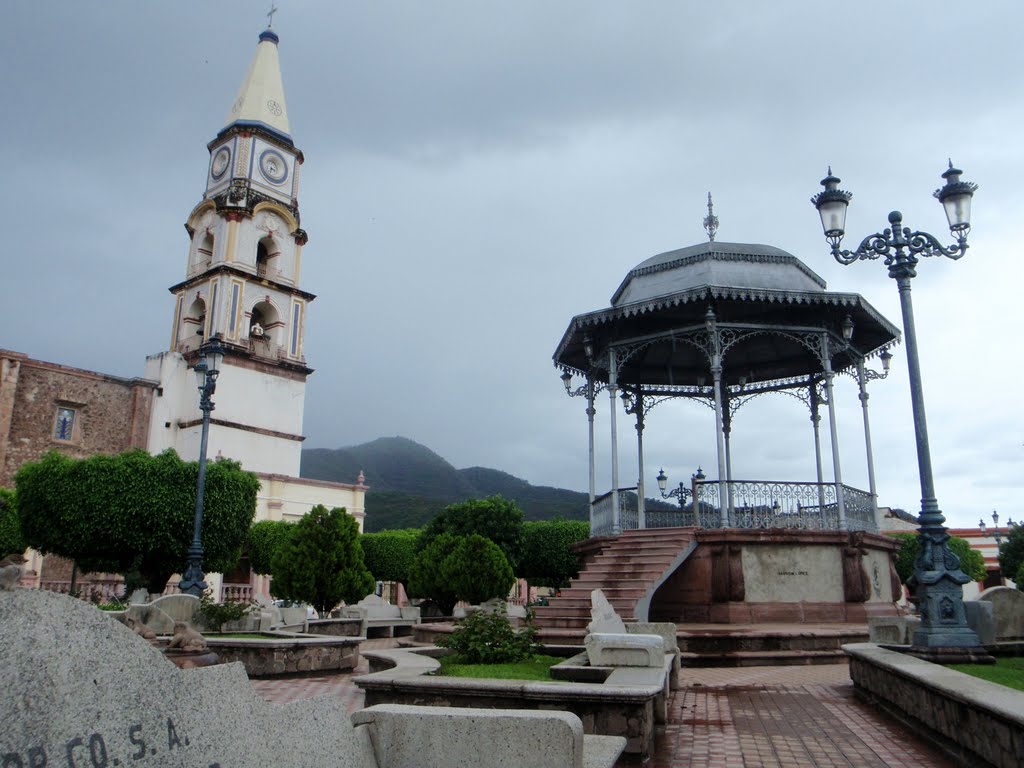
point(479, 172)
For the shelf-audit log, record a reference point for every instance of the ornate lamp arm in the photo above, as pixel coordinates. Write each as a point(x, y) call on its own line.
point(892, 242)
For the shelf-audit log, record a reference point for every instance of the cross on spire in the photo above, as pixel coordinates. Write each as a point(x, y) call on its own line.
point(711, 221)
point(270, 15)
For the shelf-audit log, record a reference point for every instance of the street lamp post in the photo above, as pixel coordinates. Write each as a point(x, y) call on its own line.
point(938, 579)
point(207, 368)
point(681, 492)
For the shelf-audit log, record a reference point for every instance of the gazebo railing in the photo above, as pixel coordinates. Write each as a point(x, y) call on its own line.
point(782, 504)
point(754, 504)
point(601, 512)
point(860, 510)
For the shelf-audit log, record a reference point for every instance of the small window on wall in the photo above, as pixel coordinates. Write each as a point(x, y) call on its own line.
point(64, 427)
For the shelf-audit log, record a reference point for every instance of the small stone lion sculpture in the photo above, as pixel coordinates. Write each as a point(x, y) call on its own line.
point(10, 572)
point(140, 629)
point(186, 638)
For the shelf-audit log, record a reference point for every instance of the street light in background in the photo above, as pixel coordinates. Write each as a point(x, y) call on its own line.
point(938, 578)
point(681, 492)
point(207, 368)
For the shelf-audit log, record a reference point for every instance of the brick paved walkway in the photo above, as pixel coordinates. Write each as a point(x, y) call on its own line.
point(750, 717)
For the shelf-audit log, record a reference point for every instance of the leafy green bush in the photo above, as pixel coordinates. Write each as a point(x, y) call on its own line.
point(322, 562)
point(11, 540)
point(495, 518)
point(428, 575)
point(134, 511)
point(488, 638)
point(453, 568)
point(265, 539)
point(972, 562)
point(548, 559)
point(216, 615)
point(1011, 554)
point(389, 555)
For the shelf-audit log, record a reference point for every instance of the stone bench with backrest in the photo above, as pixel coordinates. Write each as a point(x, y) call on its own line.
point(82, 689)
point(377, 614)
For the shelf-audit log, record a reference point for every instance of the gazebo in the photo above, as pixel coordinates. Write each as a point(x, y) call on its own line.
point(723, 323)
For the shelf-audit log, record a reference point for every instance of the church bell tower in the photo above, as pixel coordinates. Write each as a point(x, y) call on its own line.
point(242, 286)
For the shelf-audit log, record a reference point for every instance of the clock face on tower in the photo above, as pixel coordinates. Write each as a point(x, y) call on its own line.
point(219, 164)
point(273, 166)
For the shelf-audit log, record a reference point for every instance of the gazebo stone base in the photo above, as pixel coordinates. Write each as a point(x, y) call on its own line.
point(763, 576)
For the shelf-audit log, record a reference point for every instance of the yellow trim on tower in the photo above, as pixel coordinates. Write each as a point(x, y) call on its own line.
point(178, 304)
point(298, 264)
point(229, 251)
point(198, 211)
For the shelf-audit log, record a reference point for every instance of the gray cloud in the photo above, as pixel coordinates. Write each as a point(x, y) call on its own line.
point(478, 173)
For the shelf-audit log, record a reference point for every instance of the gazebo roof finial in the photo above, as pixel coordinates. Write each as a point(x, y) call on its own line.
point(711, 221)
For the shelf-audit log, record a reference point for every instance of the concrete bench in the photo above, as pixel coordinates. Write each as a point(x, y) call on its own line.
point(376, 614)
point(412, 737)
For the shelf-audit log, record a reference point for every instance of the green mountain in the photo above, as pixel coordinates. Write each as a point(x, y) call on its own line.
point(409, 483)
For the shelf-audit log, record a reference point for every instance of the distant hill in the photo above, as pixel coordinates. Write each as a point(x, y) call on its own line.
point(409, 484)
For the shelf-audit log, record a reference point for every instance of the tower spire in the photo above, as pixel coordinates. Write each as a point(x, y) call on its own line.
point(260, 102)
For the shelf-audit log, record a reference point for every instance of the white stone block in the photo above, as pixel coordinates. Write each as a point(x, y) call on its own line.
point(610, 650)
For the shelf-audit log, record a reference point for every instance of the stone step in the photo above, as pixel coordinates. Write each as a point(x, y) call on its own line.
point(761, 659)
point(717, 643)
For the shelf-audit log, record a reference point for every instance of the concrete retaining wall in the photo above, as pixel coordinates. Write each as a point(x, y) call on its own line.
point(978, 722)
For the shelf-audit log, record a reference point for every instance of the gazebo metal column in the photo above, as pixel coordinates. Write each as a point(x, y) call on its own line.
point(862, 384)
point(591, 412)
point(837, 472)
point(815, 401)
point(727, 432)
point(638, 409)
point(613, 391)
point(724, 492)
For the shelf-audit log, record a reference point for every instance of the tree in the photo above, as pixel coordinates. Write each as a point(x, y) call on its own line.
point(971, 561)
point(11, 540)
point(453, 568)
point(479, 570)
point(389, 554)
point(428, 576)
point(496, 518)
point(322, 562)
point(1011, 554)
point(548, 559)
point(265, 539)
point(134, 512)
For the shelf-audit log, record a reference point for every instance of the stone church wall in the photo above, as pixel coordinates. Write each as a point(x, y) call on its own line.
point(111, 414)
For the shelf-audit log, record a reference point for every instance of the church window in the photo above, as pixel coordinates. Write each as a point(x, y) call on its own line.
point(64, 426)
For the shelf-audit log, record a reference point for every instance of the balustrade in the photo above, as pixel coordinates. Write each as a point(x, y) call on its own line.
point(754, 504)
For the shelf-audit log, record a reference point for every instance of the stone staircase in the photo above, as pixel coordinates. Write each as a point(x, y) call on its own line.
point(628, 571)
point(631, 567)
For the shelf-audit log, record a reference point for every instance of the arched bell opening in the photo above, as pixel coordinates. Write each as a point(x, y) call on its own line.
point(267, 253)
point(266, 329)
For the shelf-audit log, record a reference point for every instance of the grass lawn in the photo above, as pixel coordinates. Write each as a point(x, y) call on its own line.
point(1008, 671)
point(537, 669)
